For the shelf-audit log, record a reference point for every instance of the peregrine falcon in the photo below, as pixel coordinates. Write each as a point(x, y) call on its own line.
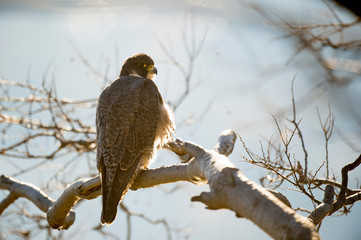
point(132, 121)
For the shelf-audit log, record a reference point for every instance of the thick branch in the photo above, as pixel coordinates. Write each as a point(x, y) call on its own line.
point(59, 213)
point(26, 190)
point(229, 189)
point(342, 200)
point(319, 181)
point(11, 198)
point(34, 194)
point(325, 207)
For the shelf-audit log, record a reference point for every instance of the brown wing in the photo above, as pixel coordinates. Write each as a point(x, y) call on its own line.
point(127, 116)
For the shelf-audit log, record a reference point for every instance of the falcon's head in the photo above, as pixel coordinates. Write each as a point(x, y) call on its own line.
point(139, 65)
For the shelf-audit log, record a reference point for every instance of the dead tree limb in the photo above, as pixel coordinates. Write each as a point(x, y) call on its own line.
point(229, 189)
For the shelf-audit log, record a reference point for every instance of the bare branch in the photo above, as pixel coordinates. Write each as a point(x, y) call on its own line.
point(10, 199)
point(325, 207)
point(26, 190)
point(59, 212)
point(229, 189)
point(43, 116)
point(142, 216)
point(193, 50)
point(296, 124)
point(319, 181)
point(327, 128)
point(341, 200)
point(328, 207)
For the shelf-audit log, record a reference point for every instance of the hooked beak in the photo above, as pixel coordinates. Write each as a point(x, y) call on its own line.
point(153, 70)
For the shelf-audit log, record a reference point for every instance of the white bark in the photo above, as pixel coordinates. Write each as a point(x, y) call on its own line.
point(229, 188)
point(22, 189)
point(232, 190)
point(325, 207)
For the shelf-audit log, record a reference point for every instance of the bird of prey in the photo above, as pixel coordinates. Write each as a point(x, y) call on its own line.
point(132, 121)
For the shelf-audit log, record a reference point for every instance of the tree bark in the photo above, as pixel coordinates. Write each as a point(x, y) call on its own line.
point(229, 189)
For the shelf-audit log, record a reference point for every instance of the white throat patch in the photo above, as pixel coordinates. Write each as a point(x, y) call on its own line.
point(134, 74)
point(150, 76)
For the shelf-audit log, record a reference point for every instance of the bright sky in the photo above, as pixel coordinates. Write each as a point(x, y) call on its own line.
point(239, 78)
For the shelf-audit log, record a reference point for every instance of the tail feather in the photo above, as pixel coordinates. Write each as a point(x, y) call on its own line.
point(114, 193)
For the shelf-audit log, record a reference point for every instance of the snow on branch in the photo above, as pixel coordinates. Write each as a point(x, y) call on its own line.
point(229, 189)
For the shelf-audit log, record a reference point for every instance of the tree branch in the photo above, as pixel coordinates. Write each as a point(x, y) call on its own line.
point(229, 189)
point(327, 207)
point(25, 190)
point(342, 200)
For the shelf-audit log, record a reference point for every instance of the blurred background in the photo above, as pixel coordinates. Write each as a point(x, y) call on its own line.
point(221, 64)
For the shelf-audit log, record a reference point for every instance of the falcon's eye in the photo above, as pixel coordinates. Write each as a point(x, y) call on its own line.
point(142, 65)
